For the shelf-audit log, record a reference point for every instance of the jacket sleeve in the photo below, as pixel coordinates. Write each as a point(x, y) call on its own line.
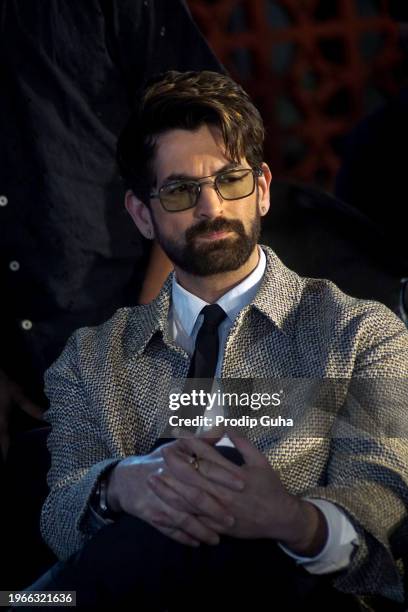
point(79, 456)
point(367, 473)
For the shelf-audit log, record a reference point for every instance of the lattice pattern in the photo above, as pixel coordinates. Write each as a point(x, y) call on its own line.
point(313, 67)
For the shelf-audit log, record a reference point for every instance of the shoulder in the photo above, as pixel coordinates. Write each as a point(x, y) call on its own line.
point(89, 346)
point(321, 305)
point(365, 330)
point(107, 333)
point(331, 304)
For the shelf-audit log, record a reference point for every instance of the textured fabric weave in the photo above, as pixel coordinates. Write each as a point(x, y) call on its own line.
point(105, 397)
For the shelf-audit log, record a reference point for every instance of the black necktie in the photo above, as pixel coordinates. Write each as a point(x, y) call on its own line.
point(203, 362)
point(205, 356)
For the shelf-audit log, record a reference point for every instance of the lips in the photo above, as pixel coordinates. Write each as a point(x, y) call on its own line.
point(215, 235)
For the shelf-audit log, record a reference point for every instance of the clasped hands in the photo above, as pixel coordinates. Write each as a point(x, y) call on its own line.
point(187, 490)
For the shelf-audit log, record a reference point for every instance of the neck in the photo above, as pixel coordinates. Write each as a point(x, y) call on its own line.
point(211, 288)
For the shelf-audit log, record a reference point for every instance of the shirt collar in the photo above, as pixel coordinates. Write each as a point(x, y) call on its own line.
point(188, 306)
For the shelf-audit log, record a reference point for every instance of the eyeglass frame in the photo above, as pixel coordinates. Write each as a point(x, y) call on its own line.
point(257, 172)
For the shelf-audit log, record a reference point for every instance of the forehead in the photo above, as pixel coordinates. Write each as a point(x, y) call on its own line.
point(190, 153)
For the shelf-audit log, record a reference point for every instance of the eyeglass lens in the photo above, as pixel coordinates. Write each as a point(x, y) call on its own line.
point(232, 185)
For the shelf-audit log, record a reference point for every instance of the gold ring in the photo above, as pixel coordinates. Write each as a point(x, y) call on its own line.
point(194, 461)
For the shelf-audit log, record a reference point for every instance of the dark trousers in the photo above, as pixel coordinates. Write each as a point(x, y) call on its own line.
point(131, 565)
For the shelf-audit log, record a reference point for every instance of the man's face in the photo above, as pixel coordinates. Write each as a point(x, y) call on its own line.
point(216, 235)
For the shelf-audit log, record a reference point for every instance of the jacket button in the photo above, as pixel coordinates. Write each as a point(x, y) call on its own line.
point(14, 266)
point(26, 324)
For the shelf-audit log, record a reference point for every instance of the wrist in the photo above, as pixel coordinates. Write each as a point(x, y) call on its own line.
point(309, 530)
point(111, 490)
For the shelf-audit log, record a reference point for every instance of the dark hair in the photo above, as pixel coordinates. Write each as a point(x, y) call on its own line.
point(187, 100)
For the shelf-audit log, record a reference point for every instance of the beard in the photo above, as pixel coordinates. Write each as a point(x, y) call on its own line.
point(216, 256)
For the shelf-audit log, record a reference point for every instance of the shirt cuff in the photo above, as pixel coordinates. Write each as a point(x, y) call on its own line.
point(342, 538)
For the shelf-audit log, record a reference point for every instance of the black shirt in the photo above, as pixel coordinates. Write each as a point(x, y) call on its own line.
point(69, 75)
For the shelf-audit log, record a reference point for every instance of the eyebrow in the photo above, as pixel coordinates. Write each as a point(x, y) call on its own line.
point(188, 177)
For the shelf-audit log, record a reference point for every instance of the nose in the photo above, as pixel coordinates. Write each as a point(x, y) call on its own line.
point(209, 203)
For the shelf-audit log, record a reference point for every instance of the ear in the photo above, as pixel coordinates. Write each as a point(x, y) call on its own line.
point(264, 183)
point(140, 214)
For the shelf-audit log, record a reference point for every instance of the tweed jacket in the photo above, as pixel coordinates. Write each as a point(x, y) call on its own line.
point(105, 404)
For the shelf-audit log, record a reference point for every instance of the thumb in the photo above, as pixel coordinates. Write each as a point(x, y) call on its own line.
point(251, 455)
point(213, 435)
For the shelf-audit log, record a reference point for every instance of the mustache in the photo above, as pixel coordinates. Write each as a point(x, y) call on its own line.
point(217, 225)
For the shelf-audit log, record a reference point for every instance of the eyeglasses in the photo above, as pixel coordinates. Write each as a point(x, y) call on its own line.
point(230, 185)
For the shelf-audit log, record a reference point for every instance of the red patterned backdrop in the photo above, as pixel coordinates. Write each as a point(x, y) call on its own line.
point(313, 67)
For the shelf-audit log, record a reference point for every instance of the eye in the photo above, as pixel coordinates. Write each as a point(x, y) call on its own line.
point(178, 189)
point(231, 177)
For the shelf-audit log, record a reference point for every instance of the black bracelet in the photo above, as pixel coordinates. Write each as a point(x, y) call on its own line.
point(101, 495)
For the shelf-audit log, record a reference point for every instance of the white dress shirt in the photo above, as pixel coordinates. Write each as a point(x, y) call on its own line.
point(184, 322)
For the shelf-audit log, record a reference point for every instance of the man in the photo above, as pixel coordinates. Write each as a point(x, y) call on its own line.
point(292, 519)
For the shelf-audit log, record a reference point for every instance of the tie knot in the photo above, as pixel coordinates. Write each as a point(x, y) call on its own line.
point(213, 315)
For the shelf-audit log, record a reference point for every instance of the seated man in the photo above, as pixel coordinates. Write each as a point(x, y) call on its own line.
point(140, 520)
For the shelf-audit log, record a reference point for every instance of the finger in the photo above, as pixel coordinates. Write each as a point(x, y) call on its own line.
point(190, 525)
point(224, 495)
point(178, 536)
point(200, 448)
point(169, 495)
point(211, 436)
point(199, 501)
point(166, 522)
point(219, 475)
point(211, 524)
point(179, 464)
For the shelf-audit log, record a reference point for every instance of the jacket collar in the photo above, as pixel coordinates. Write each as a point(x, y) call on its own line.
point(277, 299)
point(279, 294)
